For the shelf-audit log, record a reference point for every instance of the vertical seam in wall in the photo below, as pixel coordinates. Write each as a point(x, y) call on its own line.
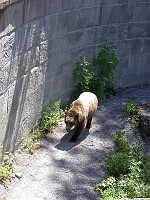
point(79, 18)
point(95, 34)
point(4, 18)
point(23, 11)
point(8, 103)
point(135, 5)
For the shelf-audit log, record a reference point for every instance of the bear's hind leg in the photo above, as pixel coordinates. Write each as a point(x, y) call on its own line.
point(89, 123)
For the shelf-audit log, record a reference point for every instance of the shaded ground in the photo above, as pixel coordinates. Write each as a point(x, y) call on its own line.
point(66, 171)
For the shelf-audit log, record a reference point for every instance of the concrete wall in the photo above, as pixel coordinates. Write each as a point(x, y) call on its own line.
point(40, 40)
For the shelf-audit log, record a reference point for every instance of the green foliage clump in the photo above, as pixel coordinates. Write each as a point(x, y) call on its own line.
point(129, 171)
point(88, 77)
point(107, 60)
point(51, 116)
point(130, 108)
point(132, 112)
point(84, 74)
point(121, 141)
point(117, 163)
point(126, 186)
point(146, 167)
point(6, 167)
point(32, 141)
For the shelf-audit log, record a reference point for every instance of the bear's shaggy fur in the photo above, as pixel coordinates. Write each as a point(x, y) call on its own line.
point(80, 114)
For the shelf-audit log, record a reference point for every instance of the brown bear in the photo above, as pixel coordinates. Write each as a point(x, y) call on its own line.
point(80, 114)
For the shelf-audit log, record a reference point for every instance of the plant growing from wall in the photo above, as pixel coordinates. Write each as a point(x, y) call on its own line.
point(51, 116)
point(88, 77)
point(84, 75)
point(107, 61)
point(32, 140)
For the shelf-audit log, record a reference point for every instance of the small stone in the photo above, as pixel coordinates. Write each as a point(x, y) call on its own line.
point(18, 175)
point(31, 174)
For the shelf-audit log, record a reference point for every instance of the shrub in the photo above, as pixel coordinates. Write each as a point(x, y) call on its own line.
point(107, 61)
point(6, 167)
point(32, 141)
point(125, 186)
point(83, 74)
point(117, 163)
point(121, 141)
point(129, 172)
point(132, 112)
point(146, 167)
point(88, 77)
point(51, 116)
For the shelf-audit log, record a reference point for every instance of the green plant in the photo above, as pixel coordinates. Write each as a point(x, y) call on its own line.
point(32, 141)
point(129, 171)
point(108, 189)
point(130, 108)
point(117, 163)
point(6, 167)
point(146, 167)
point(88, 77)
point(121, 141)
point(83, 74)
point(125, 186)
point(107, 61)
point(51, 116)
point(132, 112)
point(2, 198)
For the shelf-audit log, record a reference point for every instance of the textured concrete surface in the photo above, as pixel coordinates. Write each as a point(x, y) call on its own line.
point(69, 171)
point(40, 41)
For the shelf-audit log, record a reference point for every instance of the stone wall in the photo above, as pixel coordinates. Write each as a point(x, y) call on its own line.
point(40, 40)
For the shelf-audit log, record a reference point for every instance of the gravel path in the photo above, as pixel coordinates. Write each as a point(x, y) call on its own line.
point(67, 171)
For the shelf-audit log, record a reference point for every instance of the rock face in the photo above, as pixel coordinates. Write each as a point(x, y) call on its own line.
point(144, 114)
point(40, 41)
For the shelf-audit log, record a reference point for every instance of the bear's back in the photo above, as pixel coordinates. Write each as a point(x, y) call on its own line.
point(88, 96)
point(89, 101)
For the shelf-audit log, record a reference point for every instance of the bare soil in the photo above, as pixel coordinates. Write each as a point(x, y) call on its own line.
point(70, 171)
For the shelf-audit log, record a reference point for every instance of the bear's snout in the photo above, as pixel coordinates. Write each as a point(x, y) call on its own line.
point(69, 127)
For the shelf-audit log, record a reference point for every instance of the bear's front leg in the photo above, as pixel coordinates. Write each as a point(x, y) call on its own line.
point(78, 129)
point(89, 123)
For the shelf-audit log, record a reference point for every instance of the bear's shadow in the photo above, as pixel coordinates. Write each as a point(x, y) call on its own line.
point(66, 145)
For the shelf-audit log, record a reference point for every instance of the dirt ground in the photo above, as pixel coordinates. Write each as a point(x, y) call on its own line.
point(69, 171)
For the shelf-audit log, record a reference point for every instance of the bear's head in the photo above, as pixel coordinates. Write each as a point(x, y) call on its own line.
point(71, 119)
